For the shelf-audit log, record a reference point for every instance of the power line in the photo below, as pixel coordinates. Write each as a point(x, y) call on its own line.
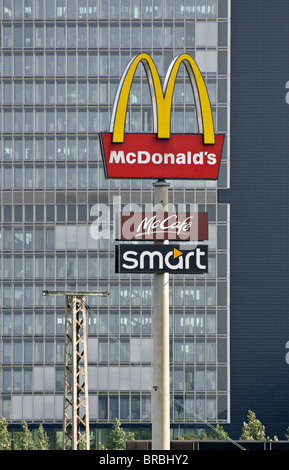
point(137, 364)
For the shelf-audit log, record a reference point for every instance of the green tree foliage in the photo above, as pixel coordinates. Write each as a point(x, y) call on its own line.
point(253, 430)
point(4, 435)
point(117, 438)
point(42, 441)
point(218, 434)
point(23, 439)
point(186, 437)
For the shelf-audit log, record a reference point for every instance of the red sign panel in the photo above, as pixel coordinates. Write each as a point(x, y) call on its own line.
point(183, 156)
point(164, 226)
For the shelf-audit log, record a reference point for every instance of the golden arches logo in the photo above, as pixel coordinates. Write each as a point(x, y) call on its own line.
point(162, 97)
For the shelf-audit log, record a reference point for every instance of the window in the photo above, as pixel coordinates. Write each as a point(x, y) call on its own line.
point(27, 380)
point(28, 351)
point(103, 407)
point(6, 380)
point(135, 407)
point(39, 351)
point(103, 351)
point(28, 35)
point(6, 352)
point(60, 36)
point(17, 352)
point(17, 35)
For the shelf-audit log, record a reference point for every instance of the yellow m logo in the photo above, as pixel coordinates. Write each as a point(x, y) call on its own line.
point(162, 97)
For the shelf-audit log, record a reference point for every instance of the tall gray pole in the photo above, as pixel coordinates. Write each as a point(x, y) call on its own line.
point(160, 323)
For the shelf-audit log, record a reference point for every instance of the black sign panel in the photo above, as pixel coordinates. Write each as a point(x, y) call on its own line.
point(161, 258)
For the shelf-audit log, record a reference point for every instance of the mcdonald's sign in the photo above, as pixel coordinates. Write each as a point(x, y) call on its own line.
point(161, 154)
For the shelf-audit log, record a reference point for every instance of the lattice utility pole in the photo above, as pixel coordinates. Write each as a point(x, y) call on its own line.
point(76, 423)
point(76, 407)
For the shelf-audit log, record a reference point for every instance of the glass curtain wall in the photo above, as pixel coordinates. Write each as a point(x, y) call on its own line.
point(61, 61)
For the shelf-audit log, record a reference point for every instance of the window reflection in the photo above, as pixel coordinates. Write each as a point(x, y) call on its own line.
point(57, 161)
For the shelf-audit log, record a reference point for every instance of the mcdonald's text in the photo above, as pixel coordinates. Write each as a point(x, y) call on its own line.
point(182, 156)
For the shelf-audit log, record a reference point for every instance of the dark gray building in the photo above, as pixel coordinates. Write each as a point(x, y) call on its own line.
point(259, 214)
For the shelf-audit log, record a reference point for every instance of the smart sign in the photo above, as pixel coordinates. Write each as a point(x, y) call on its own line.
point(162, 154)
point(161, 258)
point(164, 226)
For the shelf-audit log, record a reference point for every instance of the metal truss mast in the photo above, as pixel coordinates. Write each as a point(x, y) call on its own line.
point(76, 434)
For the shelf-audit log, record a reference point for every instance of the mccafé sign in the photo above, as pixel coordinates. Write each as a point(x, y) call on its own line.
point(164, 226)
point(162, 154)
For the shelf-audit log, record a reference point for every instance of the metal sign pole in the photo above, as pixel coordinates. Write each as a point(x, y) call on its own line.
point(161, 372)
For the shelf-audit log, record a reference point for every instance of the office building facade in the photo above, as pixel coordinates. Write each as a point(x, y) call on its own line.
point(61, 62)
point(259, 212)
